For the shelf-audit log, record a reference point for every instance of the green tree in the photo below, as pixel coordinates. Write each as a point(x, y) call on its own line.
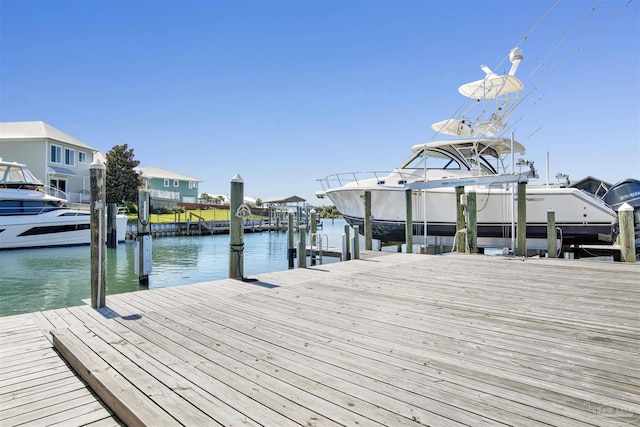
point(122, 181)
point(207, 198)
point(328, 212)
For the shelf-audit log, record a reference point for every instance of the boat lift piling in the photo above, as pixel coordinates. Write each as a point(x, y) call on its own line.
point(521, 231)
point(627, 233)
point(368, 219)
point(408, 228)
point(460, 239)
point(472, 223)
point(552, 240)
point(97, 172)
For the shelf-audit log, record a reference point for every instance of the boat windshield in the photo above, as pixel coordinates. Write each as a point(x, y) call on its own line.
point(16, 174)
point(434, 160)
point(460, 157)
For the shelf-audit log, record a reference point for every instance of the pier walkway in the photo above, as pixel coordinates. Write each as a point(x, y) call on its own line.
point(392, 339)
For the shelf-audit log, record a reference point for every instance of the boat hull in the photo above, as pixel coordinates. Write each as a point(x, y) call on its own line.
point(57, 228)
point(582, 218)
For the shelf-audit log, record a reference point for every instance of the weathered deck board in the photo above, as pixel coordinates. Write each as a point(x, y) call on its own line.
point(37, 387)
point(393, 339)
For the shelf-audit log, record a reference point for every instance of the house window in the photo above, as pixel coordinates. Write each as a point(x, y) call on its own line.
point(56, 154)
point(82, 157)
point(176, 183)
point(69, 157)
point(166, 182)
point(193, 184)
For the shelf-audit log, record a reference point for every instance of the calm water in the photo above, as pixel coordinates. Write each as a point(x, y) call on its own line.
point(42, 279)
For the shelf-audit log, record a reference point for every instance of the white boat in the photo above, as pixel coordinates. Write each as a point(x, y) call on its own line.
point(30, 218)
point(480, 159)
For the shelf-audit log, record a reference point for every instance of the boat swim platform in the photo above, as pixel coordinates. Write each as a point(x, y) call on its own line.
point(390, 339)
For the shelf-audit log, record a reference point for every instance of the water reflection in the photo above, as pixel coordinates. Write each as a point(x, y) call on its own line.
point(42, 279)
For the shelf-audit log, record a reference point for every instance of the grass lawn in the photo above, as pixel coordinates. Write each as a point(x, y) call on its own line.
point(191, 215)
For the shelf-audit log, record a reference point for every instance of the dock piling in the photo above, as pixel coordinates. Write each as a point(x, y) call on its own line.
point(302, 250)
point(408, 227)
point(290, 241)
point(472, 224)
point(346, 250)
point(521, 231)
point(143, 264)
point(552, 240)
point(97, 172)
point(627, 236)
point(236, 229)
point(368, 244)
point(312, 233)
point(112, 232)
point(460, 222)
point(356, 242)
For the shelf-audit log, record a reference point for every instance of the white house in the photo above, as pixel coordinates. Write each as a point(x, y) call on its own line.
point(55, 158)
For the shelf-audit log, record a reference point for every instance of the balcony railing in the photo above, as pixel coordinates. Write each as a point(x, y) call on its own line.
point(163, 194)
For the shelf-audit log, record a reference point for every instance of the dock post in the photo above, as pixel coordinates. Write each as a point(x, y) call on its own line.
point(346, 250)
point(472, 226)
point(236, 229)
point(521, 231)
point(142, 266)
point(460, 240)
point(408, 227)
point(312, 234)
point(356, 242)
point(97, 172)
point(627, 236)
point(552, 239)
point(368, 245)
point(112, 232)
point(290, 248)
point(302, 251)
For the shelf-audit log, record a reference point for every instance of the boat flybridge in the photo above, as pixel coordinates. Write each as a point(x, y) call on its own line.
point(477, 158)
point(30, 218)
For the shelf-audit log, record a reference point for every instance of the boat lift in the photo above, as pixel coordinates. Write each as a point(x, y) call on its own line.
point(522, 177)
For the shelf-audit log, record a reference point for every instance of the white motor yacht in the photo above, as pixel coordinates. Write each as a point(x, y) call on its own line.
point(30, 218)
point(477, 158)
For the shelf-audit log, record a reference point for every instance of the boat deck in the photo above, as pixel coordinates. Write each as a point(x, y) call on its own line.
point(392, 339)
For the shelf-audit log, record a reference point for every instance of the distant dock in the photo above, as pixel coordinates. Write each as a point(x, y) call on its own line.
point(390, 339)
point(202, 228)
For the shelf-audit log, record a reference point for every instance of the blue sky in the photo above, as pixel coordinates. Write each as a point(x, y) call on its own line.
point(286, 92)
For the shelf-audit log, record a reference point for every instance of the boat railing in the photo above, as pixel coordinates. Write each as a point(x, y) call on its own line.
point(340, 179)
point(55, 192)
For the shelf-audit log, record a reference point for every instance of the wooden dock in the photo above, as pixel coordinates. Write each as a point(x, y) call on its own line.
point(391, 339)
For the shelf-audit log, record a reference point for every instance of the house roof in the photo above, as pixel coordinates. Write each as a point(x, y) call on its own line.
point(155, 172)
point(37, 130)
point(282, 200)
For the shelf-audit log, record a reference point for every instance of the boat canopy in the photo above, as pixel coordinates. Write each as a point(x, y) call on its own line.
point(496, 147)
